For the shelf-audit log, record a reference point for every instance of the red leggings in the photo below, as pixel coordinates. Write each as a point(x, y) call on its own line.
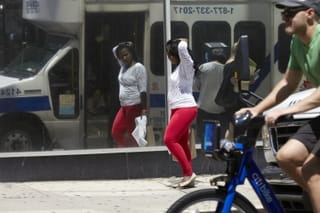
point(177, 134)
point(124, 124)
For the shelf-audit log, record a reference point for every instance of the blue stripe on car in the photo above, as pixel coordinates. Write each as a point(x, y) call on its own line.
point(24, 104)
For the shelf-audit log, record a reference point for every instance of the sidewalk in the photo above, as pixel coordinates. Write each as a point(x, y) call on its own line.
point(98, 196)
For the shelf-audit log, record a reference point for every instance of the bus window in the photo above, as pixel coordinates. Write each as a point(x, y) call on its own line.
point(64, 86)
point(283, 48)
point(209, 31)
point(178, 30)
point(257, 44)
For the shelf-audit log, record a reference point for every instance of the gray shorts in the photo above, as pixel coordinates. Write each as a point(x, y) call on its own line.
point(309, 135)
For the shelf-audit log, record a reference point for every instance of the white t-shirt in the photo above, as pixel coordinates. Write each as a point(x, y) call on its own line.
point(181, 80)
point(132, 81)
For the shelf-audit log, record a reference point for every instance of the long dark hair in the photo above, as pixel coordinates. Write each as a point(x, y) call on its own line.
point(172, 49)
point(130, 48)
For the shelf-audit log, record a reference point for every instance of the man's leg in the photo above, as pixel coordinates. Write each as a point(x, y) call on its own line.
point(311, 175)
point(300, 158)
point(291, 158)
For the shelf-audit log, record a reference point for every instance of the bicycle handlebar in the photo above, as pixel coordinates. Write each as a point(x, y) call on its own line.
point(244, 121)
point(246, 129)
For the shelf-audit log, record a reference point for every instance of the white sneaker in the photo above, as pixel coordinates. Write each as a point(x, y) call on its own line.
point(188, 181)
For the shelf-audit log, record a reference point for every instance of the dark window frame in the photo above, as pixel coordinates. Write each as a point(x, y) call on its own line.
point(199, 37)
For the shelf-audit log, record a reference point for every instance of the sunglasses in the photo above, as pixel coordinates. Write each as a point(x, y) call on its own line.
point(290, 12)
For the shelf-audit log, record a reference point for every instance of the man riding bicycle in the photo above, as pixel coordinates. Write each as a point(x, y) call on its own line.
point(300, 156)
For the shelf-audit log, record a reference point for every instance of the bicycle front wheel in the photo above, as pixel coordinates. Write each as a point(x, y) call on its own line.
point(206, 200)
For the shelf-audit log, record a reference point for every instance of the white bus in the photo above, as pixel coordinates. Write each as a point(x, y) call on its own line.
point(46, 93)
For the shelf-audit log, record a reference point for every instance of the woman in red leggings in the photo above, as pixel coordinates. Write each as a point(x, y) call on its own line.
point(132, 94)
point(183, 108)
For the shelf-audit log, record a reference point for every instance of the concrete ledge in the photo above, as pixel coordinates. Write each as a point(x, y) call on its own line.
point(149, 163)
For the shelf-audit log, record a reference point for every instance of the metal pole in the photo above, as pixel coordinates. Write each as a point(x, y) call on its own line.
point(167, 63)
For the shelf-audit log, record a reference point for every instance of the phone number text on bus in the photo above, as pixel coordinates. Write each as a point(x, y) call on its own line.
point(203, 10)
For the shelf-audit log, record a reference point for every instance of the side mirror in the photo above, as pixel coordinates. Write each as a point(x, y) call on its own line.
point(242, 72)
point(242, 59)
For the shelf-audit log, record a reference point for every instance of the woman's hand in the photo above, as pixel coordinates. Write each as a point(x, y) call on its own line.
point(126, 43)
point(129, 43)
point(183, 39)
point(144, 112)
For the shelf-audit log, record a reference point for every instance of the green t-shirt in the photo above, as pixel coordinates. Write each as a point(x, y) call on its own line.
point(306, 58)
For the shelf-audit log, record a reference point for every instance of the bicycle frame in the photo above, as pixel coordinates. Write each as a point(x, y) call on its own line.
point(248, 169)
point(240, 162)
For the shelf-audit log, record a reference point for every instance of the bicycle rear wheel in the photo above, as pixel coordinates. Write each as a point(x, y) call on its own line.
point(206, 200)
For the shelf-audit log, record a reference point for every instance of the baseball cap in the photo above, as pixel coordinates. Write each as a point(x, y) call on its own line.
point(315, 4)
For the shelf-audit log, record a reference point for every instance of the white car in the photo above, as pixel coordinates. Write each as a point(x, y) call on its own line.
point(275, 137)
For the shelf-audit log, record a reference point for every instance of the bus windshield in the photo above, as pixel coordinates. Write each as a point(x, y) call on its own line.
point(33, 57)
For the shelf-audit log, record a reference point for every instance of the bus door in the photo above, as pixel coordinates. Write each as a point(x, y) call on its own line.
point(64, 91)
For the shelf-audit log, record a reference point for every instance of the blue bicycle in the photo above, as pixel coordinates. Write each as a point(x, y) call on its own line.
point(224, 198)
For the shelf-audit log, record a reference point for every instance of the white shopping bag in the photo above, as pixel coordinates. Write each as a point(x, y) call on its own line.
point(139, 133)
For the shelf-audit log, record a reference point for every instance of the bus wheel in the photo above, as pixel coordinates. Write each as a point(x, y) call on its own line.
point(20, 137)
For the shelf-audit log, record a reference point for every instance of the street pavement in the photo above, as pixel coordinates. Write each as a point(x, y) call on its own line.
point(99, 196)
